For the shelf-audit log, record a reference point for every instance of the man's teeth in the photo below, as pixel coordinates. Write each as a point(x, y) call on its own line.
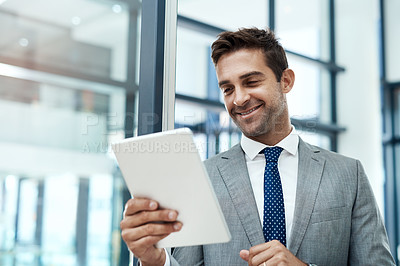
point(248, 112)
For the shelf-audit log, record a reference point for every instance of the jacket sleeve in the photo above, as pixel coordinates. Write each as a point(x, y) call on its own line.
point(192, 255)
point(368, 242)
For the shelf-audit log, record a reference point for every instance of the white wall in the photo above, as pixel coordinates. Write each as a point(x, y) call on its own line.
point(392, 36)
point(358, 88)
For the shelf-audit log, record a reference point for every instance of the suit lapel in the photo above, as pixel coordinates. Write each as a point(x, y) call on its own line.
point(234, 172)
point(309, 176)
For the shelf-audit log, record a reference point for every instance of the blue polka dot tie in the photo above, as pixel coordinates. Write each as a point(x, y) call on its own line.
point(274, 210)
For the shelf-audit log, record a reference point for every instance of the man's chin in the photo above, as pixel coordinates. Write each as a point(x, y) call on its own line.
point(251, 129)
point(253, 132)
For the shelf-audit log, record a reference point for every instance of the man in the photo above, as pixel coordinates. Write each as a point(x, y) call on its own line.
point(310, 206)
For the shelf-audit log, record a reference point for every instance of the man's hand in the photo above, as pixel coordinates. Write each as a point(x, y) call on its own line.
point(143, 225)
point(272, 253)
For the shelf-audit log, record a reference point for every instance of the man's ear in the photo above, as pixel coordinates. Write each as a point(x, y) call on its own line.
point(287, 80)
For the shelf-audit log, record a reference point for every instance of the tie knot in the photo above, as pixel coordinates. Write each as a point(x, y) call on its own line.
point(272, 154)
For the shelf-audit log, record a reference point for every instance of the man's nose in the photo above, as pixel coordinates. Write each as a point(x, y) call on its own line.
point(241, 97)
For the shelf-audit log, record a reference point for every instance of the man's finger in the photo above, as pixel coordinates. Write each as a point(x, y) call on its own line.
point(262, 257)
point(151, 229)
point(259, 248)
point(135, 205)
point(270, 252)
point(244, 254)
point(144, 217)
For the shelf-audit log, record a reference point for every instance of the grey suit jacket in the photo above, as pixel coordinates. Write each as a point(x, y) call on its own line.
point(336, 220)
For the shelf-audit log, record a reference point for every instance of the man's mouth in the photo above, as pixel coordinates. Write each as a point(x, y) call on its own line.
point(250, 111)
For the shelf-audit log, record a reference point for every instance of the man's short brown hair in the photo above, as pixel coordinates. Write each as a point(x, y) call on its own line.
point(252, 38)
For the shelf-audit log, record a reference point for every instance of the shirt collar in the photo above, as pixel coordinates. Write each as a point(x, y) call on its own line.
point(251, 147)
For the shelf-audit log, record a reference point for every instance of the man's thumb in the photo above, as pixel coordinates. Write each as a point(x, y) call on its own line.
point(244, 254)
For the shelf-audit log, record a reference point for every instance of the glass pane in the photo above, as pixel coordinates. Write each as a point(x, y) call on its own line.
point(27, 211)
point(99, 222)
point(396, 174)
point(396, 112)
point(213, 129)
point(63, 73)
point(60, 207)
point(315, 139)
point(303, 26)
point(8, 211)
point(392, 22)
point(193, 63)
point(65, 37)
point(226, 14)
point(310, 97)
point(84, 114)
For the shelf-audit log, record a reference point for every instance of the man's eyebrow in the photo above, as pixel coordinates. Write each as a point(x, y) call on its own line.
point(223, 82)
point(253, 73)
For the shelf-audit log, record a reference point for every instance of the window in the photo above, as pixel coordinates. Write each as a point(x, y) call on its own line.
point(303, 27)
point(306, 36)
point(65, 69)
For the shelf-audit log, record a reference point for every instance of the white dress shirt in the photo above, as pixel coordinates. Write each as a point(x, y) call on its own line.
point(288, 164)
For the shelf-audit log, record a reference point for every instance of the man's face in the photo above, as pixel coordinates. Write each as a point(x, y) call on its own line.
point(253, 97)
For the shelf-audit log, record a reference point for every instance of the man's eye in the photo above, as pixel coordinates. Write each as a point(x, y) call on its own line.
point(252, 82)
point(226, 91)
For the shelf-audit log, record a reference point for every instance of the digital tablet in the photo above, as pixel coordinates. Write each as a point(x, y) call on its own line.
point(166, 167)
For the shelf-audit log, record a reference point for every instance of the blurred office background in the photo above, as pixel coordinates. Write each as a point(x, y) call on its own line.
point(71, 82)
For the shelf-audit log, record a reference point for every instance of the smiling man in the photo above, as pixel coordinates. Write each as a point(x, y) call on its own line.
point(286, 202)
